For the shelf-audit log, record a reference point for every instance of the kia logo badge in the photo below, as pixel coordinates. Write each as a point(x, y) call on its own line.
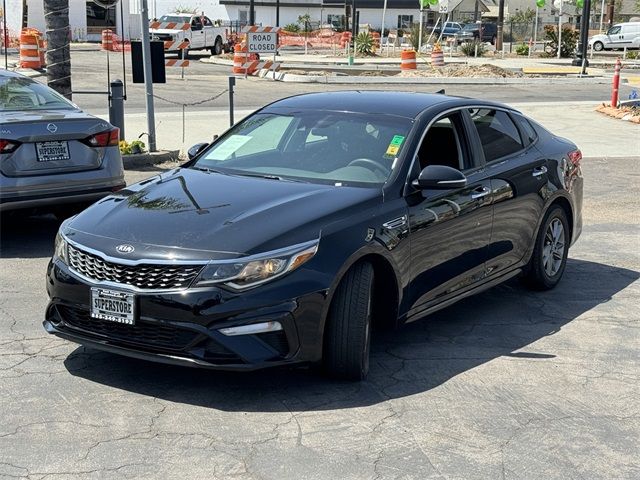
point(125, 248)
point(52, 127)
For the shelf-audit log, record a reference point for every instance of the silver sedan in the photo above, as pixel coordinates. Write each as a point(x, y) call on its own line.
point(52, 154)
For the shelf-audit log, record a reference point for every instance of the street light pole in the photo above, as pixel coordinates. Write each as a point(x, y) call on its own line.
point(148, 75)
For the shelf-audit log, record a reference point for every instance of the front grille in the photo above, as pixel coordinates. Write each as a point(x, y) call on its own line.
point(142, 333)
point(145, 276)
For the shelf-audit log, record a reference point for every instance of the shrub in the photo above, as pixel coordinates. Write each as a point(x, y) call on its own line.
point(126, 148)
point(522, 49)
point(469, 48)
point(569, 41)
point(292, 27)
point(633, 55)
point(415, 36)
point(364, 44)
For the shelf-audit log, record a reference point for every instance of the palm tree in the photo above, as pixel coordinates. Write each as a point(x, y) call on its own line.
point(56, 16)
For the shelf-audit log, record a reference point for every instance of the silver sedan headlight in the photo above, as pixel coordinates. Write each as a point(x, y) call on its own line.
point(241, 274)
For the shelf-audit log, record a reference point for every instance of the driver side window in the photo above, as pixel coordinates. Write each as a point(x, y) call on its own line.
point(443, 144)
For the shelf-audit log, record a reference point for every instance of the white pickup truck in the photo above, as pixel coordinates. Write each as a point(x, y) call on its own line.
point(200, 33)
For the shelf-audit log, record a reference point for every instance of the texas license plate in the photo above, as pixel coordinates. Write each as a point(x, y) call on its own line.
point(113, 306)
point(52, 151)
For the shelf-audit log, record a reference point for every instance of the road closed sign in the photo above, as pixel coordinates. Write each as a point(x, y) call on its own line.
point(262, 42)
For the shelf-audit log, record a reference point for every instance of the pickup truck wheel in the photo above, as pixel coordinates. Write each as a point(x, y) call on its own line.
point(493, 40)
point(217, 48)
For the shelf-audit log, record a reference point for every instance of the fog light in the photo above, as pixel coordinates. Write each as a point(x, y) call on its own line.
point(254, 328)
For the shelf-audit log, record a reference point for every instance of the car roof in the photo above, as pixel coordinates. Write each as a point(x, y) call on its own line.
point(403, 104)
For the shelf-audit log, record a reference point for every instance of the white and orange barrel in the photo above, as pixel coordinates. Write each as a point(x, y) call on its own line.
point(408, 60)
point(29, 49)
point(238, 59)
point(107, 40)
point(437, 57)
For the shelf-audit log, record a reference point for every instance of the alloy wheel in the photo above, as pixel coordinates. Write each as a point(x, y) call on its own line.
point(553, 250)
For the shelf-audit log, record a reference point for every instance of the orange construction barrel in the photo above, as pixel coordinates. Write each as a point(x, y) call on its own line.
point(437, 57)
point(238, 59)
point(107, 40)
point(408, 60)
point(29, 54)
point(42, 49)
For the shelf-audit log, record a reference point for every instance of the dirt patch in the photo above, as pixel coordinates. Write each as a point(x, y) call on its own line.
point(457, 70)
point(626, 113)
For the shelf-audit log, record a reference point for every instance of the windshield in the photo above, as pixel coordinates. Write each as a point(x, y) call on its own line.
point(317, 146)
point(174, 19)
point(19, 93)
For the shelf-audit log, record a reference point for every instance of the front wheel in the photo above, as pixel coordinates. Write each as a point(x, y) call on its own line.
point(549, 257)
point(348, 333)
point(598, 46)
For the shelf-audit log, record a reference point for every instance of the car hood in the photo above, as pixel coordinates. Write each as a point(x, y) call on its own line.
point(191, 214)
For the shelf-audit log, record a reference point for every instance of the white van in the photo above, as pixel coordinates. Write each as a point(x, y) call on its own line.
point(621, 35)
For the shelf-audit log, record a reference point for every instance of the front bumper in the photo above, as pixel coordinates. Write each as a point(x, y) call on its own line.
point(182, 327)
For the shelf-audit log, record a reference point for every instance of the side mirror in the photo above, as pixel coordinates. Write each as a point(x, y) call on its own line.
point(440, 177)
point(196, 149)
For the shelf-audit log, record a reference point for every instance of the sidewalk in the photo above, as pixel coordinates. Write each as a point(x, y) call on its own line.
point(597, 135)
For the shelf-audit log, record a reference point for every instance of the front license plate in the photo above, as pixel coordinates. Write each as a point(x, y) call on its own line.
point(52, 151)
point(112, 305)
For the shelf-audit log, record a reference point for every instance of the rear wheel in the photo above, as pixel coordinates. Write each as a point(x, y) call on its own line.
point(549, 257)
point(348, 332)
point(217, 47)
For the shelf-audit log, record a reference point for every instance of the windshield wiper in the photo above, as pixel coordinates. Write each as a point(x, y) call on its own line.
point(268, 176)
point(208, 170)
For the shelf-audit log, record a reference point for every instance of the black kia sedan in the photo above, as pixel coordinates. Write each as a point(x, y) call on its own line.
point(312, 221)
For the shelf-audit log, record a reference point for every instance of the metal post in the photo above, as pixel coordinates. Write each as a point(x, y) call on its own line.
point(252, 13)
point(277, 13)
point(560, 31)
point(583, 45)
point(148, 79)
point(601, 15)
point(535, 30)
point(420, 30)
point(232, 82)
point(384, 14)
point(116, 106)
point(6, 35)
point(500, 27)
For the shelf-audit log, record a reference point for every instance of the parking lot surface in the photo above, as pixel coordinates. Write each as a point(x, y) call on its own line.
point(507, 384)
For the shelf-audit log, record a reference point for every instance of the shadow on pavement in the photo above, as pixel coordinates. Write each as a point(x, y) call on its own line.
point(27, 236)
point(416, 358)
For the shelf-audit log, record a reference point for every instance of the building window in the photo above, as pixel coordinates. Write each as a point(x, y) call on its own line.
point(336, 21)
point(405, 21)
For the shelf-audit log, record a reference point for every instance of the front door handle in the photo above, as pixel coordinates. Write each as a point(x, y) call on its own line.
point(480, 192)
point(539, 171)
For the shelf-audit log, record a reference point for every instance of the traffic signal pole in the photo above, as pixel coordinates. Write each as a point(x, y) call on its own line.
point(583, 46)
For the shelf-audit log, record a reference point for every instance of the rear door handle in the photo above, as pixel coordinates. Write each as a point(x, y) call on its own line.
point(539, 171)
point(480, 192)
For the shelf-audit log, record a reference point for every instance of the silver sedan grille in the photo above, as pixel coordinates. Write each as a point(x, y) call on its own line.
point(143, 276)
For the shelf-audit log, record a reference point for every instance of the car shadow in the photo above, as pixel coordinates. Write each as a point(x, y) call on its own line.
point(27, 236)
point(503, 321)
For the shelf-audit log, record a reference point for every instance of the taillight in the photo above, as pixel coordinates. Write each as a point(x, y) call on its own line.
point(110, 138)
point(575, 157)
point(8, 146)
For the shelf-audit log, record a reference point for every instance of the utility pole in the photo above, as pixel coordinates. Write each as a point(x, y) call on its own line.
point(476, 11)
point(581, 54)
point(277, 13)
point(148, 75)
point(252, 12)
point(500, 27)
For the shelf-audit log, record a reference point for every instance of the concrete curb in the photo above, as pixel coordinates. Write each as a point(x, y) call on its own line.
point(350, 80)
point(131, 162)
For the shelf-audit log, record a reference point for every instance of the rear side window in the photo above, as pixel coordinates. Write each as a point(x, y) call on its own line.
point(498, 134)
point(527, 129)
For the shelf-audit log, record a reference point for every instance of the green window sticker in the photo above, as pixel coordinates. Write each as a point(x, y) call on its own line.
point(394, 146)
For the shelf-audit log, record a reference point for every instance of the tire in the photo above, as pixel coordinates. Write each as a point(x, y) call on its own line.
point(217, 47)
point(348, 332)
point(549, 256)
point(598, 46)
point(493, 40)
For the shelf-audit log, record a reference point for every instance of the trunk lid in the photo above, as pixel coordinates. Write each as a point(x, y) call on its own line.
point(50, 142)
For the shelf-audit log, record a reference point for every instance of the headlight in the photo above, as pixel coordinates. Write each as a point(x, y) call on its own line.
point(249, 272)
point(60, 249)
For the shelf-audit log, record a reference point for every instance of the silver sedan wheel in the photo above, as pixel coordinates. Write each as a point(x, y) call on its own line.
point(553, 250)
